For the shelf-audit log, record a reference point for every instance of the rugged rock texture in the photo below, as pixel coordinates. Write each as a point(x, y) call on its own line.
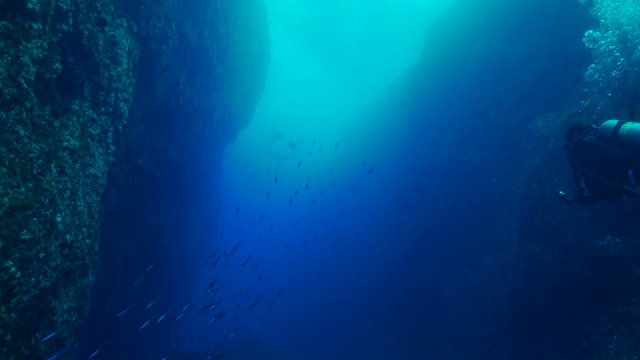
point(556, 281)
point(578, 266)
point(68, 74)
point(202, 68)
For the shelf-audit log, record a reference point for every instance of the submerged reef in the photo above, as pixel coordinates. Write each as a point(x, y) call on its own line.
point(66, 84)
point(79, 81)
point(608, 235)
point(577, 280)
point(557, 281)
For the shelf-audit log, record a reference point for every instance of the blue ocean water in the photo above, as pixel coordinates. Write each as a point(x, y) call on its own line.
point(370, 209)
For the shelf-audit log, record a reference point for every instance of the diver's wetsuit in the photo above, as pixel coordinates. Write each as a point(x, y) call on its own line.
point(602, 170)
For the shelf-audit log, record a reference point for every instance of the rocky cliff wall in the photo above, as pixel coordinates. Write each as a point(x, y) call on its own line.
point(488, 72)
point(582, 260)
point(502, 87)
point(202, 70)
point(158, 86)
point(67, 72)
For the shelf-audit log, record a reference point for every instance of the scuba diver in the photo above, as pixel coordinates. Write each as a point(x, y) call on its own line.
point(605, 161)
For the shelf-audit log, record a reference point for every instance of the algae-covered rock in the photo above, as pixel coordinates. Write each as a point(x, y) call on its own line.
point(66, 78)
point(157, 85)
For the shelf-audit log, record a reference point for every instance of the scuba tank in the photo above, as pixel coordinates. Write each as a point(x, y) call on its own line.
point(627, 134)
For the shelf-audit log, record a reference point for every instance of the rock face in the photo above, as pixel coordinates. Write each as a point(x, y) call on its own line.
point(488, 70)
point(203, 66)
point(159, 85)
point(561, 280)
point(67, 73)
point(578, 265)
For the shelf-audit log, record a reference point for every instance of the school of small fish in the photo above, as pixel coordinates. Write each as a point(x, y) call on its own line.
point(230, 254)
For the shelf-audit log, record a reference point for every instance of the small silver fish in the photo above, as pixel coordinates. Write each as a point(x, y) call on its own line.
point(144, 325)
point(48, 336)
point(124, 311)
point(57, 354)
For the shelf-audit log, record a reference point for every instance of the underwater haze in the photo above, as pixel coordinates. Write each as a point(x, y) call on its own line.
point(366, 211)
point(307, 187)
point(315, 179)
